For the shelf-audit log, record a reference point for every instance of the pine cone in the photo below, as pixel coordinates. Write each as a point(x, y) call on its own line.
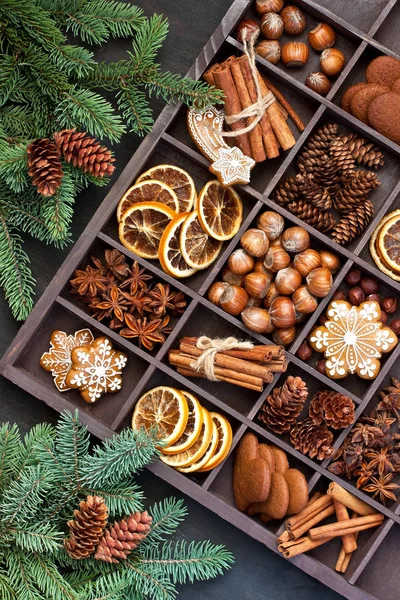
point(85, 152)
point(313, 193)
point(281, 409)
point(335, 409)
point(45, 166)
point(353, 223)
point(311, 439)
point(342, 156)
point(355, 190)
point(363, 151)
point(327, 175)
point(121, 538)
point(287, 192)
point(317, 146)
point(88, 527)
point(321, 220)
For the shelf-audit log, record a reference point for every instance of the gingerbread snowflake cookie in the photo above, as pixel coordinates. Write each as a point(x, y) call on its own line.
point(58, 359)
point(96, 369)
point(353, 339)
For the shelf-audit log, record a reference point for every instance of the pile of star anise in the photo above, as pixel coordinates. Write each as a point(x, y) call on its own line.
point(371, 452)
point(127, 298)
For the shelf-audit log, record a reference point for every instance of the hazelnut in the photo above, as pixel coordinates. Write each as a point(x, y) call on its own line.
point(304, 302)
point(353, 277)
point(307, 261)
point(321, 366)
point(269, 50)
point(282, 312)
point(254, 303)
point(272, 223)
point(276, 259)
point(266, 6)
point(255, 242)
point(284, 337)
point(395, 326)
point(318, 83)
point(293, 20)
point(383, 318)
point(321, 37)
point(355, 295)
point(240, 263)
point(319, 282)
point(246, 30)
point(216, 290)
point(287, 281)
point(271, 295)
point(234, 300)
point(256, 319)
point(295, 239)
point(271, 26)
point(332, 62)
point(232, 278)
point(339, 295)
point(369, 285)
point(374, 298)
point(257, 284)
point(329, 260)
point(389, 305)
point(294, 54)
point(304, 352)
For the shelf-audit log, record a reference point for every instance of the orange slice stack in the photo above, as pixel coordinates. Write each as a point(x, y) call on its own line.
point(385, 245)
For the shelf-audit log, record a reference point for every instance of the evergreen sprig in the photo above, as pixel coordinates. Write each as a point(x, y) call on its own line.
point(48, 84)
point(42, 480)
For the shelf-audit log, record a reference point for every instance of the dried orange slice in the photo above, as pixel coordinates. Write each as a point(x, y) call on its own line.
point(375, 251)
point(170, 255)
point(165, 408)
point(142, 226)
point(388, 241)
point(178, 180)
point(220, 210)
point(195, 452)
point(207, 454)
point(198, 249)
point(192, 429)
point(224, 442)
point(148, 191)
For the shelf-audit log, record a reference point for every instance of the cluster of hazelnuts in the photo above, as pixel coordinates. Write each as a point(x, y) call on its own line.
point(275, 279)
point(276, 20)
point(361, 289)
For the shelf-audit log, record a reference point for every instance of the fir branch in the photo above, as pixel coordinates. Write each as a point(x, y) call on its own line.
point(167, 516)
point(41, 537)
point(34, 20)
point(15, 275)
point(6, 591)
point(49, 580)
point(39, 434)
point(18, 121)
point(184, 562)
point(13, 165)
point(71, 445)
point(23, 499)
point(57, 210)
point(117, 18)
point(135, 109)
point(122, 498)
point(147, 43)
point(73, 60)
point(47, 76)
point(147, 581)
point(9, 75)
point(10, 447)
point(108, 586)
point(20, 578)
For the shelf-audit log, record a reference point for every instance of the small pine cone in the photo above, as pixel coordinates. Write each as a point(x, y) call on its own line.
point(321, 220)
point(313, 193)
point(317, 146)
point(85, 152)
point(363, 151)
point(45, 166)
point(353, 223)
point(281, 408)
point(311, 439)
point(121, 538)
point(287, 192)
point(355, 190)
point(88, 527)
point(342, 156)
point(328, 174)
point(335, 409)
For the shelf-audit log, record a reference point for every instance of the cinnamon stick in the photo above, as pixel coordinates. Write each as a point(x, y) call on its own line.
point(288, 107)
point(348, 541)
point(338, 493)
point(255, 353)
point(191, 373)
point(271, 146)
point(341, 528)
point(344, 558)
point(313, 520)
point(223, 80)
point(310, 510)
point(278, 366)
point(255, 135)
point(284, 537)
point(209, 75)
point(302, 545)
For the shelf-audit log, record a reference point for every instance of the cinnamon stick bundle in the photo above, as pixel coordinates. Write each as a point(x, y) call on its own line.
point(341, 528)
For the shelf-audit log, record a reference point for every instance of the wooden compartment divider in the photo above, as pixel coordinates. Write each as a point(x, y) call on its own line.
point(213, 489)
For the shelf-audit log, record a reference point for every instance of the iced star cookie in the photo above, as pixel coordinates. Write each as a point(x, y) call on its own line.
point(96, 369)
point(58, 359)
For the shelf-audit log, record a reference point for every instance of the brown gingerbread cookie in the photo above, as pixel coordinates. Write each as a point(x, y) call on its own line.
point(383, 70)
point(251, 473)
point(276, 505)
point(383, 115)
point(348, 95)
point(266, 452)
point(281, 461)
point(298, 491)
point(363, 98)
point(396, 86)
point(265, 518)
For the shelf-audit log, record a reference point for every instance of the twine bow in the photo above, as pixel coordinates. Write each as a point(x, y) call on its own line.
point(210, 347)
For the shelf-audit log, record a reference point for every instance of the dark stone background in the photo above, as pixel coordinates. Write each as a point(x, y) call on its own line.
point(258, 573)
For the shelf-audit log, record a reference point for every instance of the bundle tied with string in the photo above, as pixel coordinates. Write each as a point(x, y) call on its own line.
point(231, 360)
point(257, 121)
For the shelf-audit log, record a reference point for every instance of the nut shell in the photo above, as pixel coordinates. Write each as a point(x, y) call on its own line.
point(257, 284)
point(255, 242)
point(272, 223)
point(295, 239)
point(216, 290)
point(287, 281)
point(304, 302)
point(294, 20)
point(269, 50)
point(240, 263)
point(282, 312)
point(271, 26)
point(318, 82)
point(271, 295)
point(321, 37)
point(257, 319)
point(330, 261)
point(246, 29)
point(284, 337)
point(234, 300)
point(319, 282)
point(332, 62)
point(306, 261)
point(276, 259)
point(265, 6)
point(294, 54)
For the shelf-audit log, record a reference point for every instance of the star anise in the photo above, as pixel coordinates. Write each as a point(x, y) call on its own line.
point(136, 279)
point(115, 263)
point(113, 305)
point(139, 302)
point(381, 461)
point(179, 303)
point(98, 264)
point(391, 403)
point(146, 333)
point(366, 434)
point(163, 328)
point(383, 487)
point(353, 455)
point(89, 282)
point(364, 474)
point(161, 299)
point(115, 324)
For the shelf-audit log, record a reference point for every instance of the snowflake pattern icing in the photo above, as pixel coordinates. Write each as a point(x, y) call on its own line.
point(353, 339)
point(58, 359)
point(96, 369)
point(233, 166)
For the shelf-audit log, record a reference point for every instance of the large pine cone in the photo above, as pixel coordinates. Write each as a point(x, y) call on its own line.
point(121, 538)
point(45, 166)
point(335, 409)
point(327, 175)
point(311, 439)
point(353, 223)
point(342, 156)
point(363, 151)
point(313, 193)
point(88, 527)
point(85, 152)
point(321, 220)
point(287, 192)
point(281, 408)
point(317, 146)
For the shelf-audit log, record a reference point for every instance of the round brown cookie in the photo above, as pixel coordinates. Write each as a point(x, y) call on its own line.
point(363, 98)
point(383, 115)
point(396, 86)
point(298, 491)
point(281, 461)
point(251, 474)
point(383, 70)
point(348, 95)
point(275, 506)
point(266, 452)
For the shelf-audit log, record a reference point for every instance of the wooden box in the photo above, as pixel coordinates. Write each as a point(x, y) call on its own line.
point(365, 28)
